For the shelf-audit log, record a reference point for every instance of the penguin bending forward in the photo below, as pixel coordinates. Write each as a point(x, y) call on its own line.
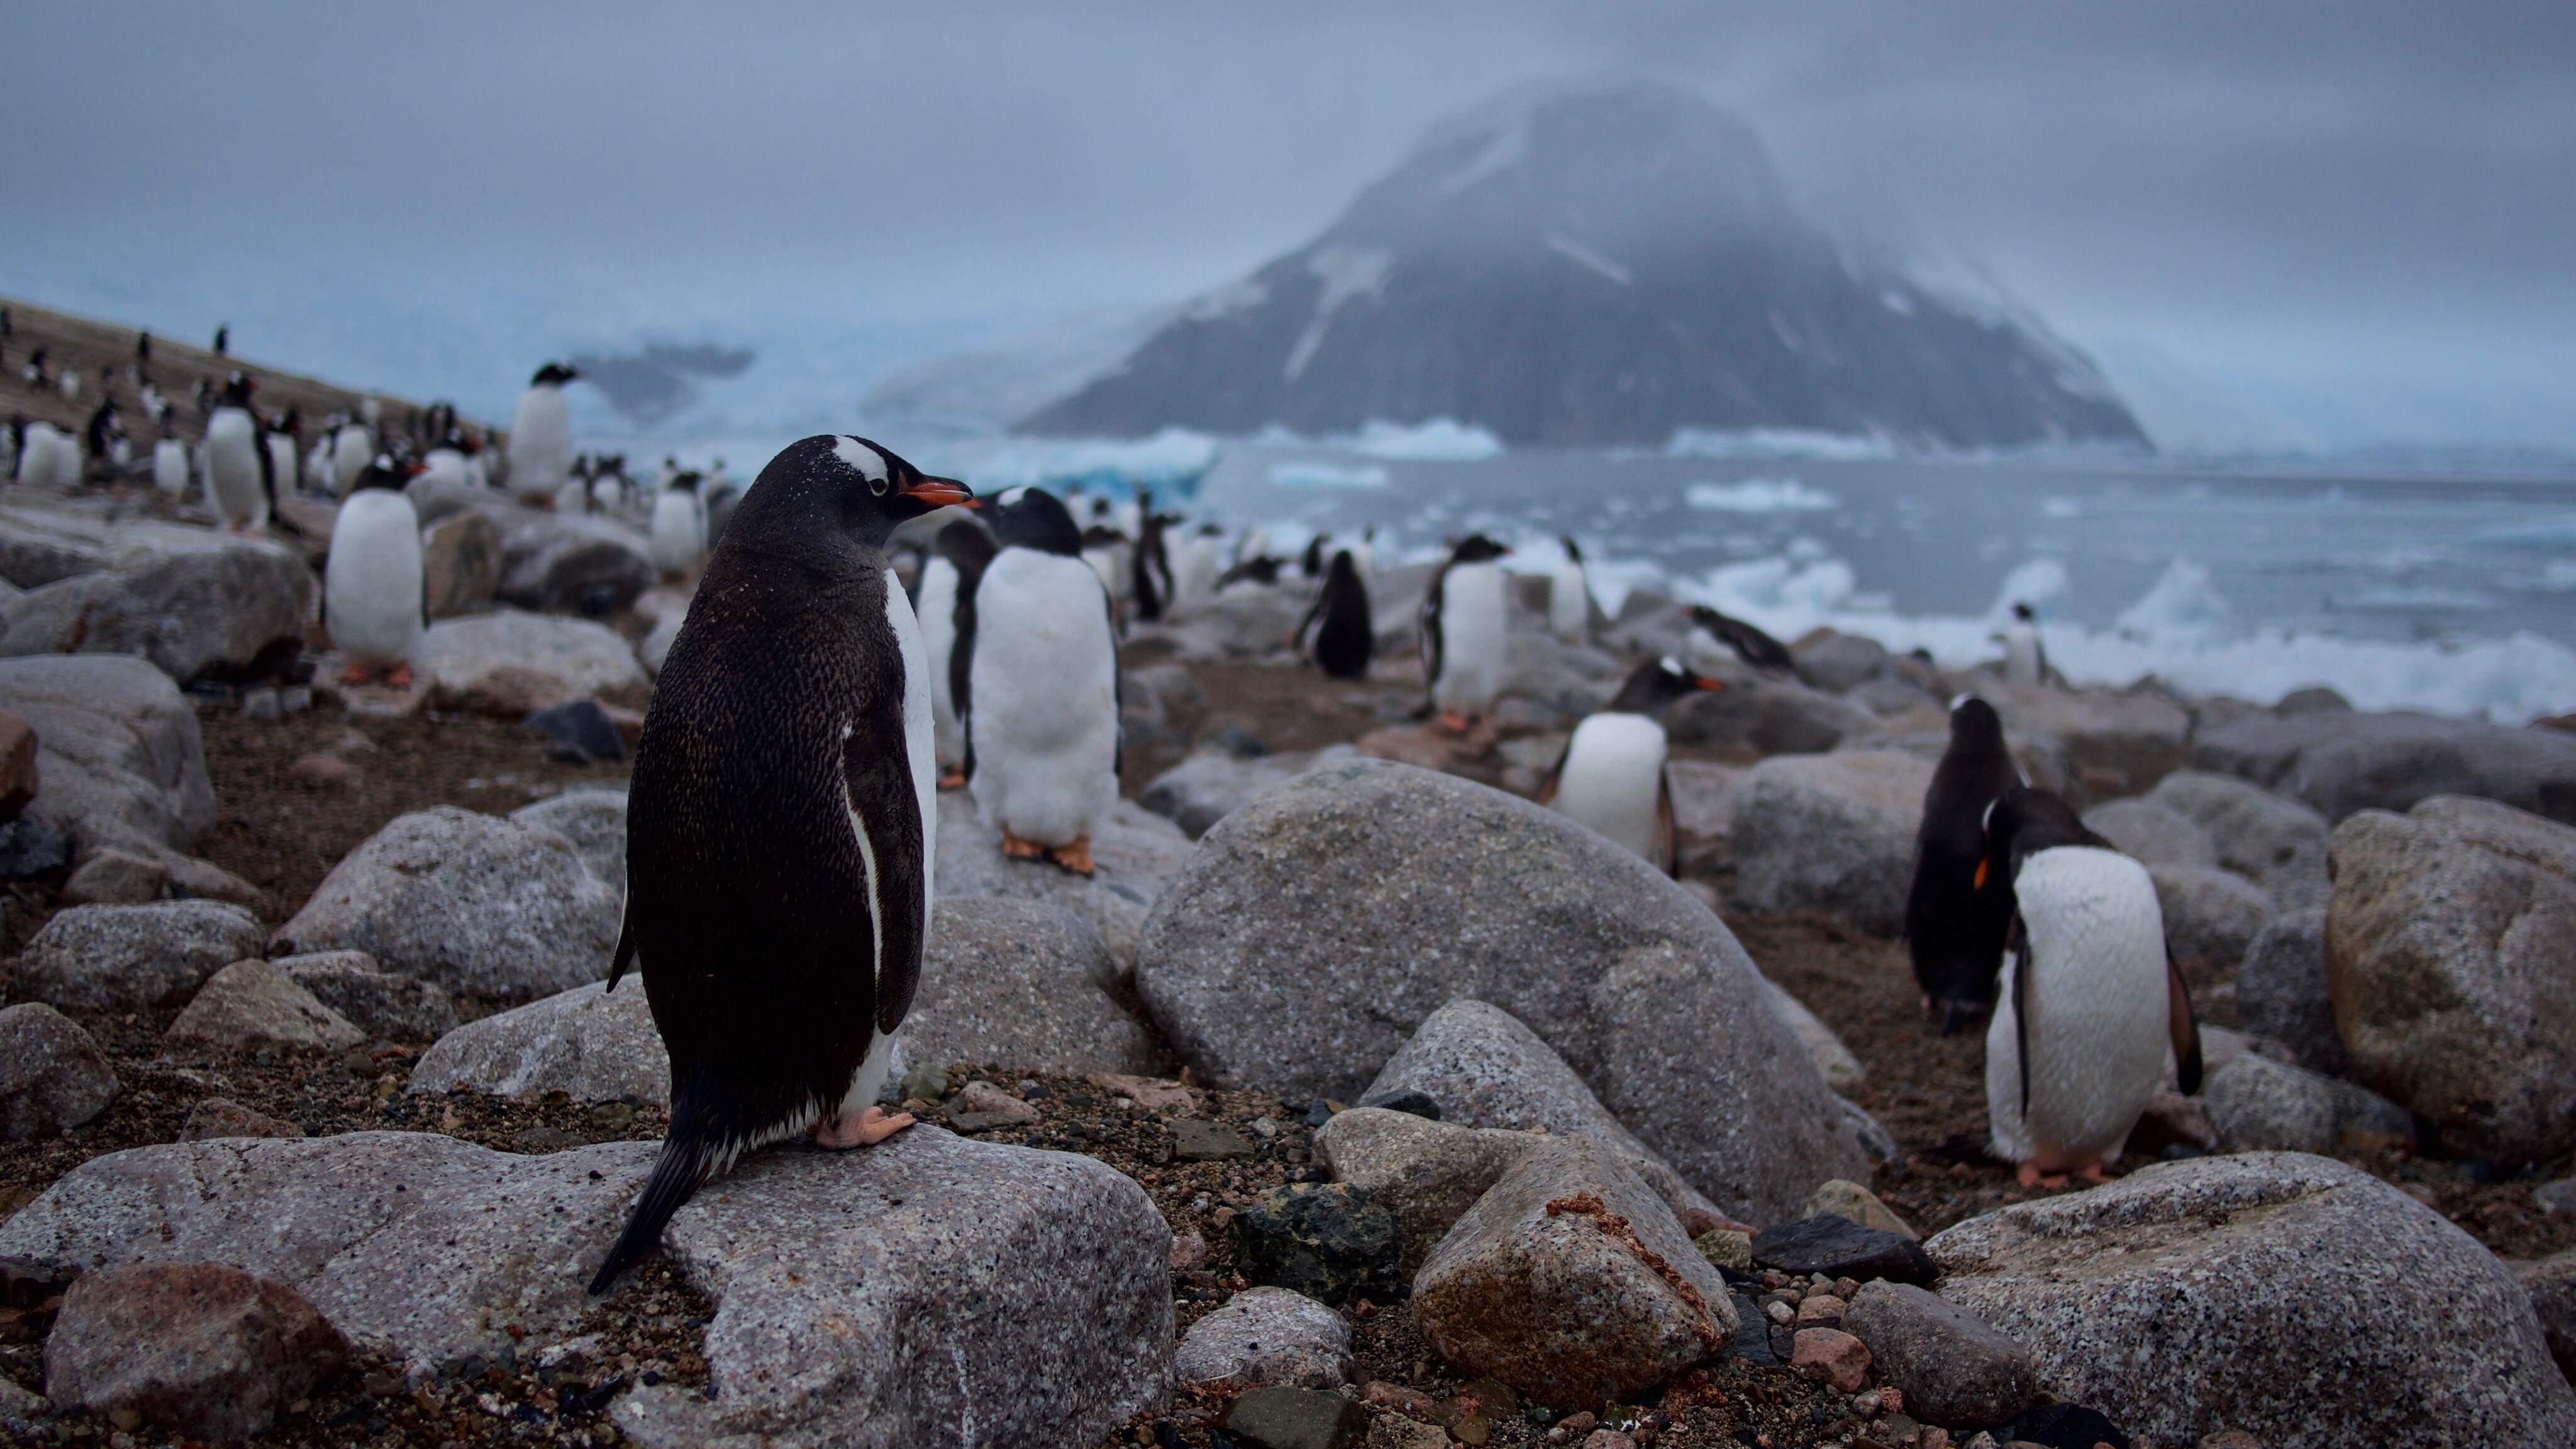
point(948, 580)
point(371, 582)
point(782, 827)
point(1611, 776)
point(2092, 1003)
point(1465, 647)
point(1960, 907)
point(1041, 703)
point(1345, 630)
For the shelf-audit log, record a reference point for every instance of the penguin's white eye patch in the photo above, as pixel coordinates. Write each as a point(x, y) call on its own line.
point(869, 463)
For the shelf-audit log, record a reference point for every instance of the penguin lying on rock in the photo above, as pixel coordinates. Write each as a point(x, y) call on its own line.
point(782, 825)
point(1959, 907)
point(1611, 776)
point(2091, 1003)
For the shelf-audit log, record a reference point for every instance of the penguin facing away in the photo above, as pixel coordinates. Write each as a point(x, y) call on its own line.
point(1465, 646)
point(1611, 776)
point(541, 435)
point(1041, 704)
point(1569, 598)
point(371, 583)
point(1960, 905)
point(948, 580)
point(237, 476)
point(1345, 629)
point(2092, 1004)
point(782, 826)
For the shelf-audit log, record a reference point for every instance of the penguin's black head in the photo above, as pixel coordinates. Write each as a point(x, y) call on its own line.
point(385, 472)
point(1344, 573)
point(1573, 550)
point(1036, 519)
point(2022, 611)
point(1657, 683)
point(237, 390)
point(835, 479)
point(2025, 820)
point(1476, 548)
point(554, 374)
point(1975, 725)
point(967, 544)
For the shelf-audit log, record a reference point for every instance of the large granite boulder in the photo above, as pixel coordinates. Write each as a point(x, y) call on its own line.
point(573, 562)
point(509, 663)
point(1768, 715)
point(248, 1005)
point(2255, 1102)
point(39, 546)
point(2451, 959)
point(1318, 926)
point(2286, 1296)
point(2275, 841)
point(2210, 914)
point(2112, 743)
point(2281, 991)
point(1213, 782)
point(2341, 762)
point(193, 602)
point(594, 1046)
point(1136, 853)
point(476, 903)
point(384, 1004)
point(118, 751)
point(1833, 833)
point(594, 821)
point(210, 1351)
point(2153, 832)
point(134, 958)
point(1024, 985)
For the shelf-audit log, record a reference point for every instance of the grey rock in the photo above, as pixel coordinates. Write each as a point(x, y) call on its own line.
point(2551, 1282)
point(1025, 985)
point(2111, 743)
point(2451, 960)
point(2212, 914)
point(1486, 1069)
point(1952, 1366)
point(1246, 621)
point(473, 902)
point(1854, 1203)
point(2281, 991)
point(2153, 832)
point(1571, 679)
point(1838, 1247)
point(117, 748)
point(1331, 1242)
point(53, 1076)
point(39, 546)
point(1833, 833)
point(1767, 714)
point(1267, 1336)
point(1278, 1417)
point(1837, 662)
point(1427, 1173)
point(2255, 1102)
point(221, 1117)
point(1136, 852)
point(460, 564)
point(1888, 696)
point(134, 958)
point(1703, 814)
point(1842, 1071)
point(1316, 926)
point(192, 602)
point(509, 663)
point(2315, 699)
point(2344, 762)
point(248, 1004)
point(383, 1004)
point(1212, 783)
point(559, 561)
point(919, 1292)
point(2275, 841)
point(2239, 1275)
point(594, 1046)
point(207, 1350)
point(594, 821)
point(1536, 1287)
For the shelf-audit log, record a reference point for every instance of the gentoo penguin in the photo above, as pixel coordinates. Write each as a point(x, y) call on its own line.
point(781, 825)
point(1149, 566)
point(1202, 561)
point(1364, 555)
point(1960, 906)
point(1311, 563)
point(1749, 643)
point(371, 583)
point(541, 436)
point(1041, 704)
point(238, 487)
point(1464, 647)
point(48, 457)
point(679, 527)
point(1569, 598)
point(223, 339)
point(2025, 658)
point(170, 467)
point(353, 447)
point(717, 494)
point(2091, 1003)
point(1611, 776)
point(105, 433)
point(444, 465)
point(1345, 630)
point(948, 580)
point(284, 458)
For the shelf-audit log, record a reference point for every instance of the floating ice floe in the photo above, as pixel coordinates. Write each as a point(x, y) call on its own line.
point(1760, 495)
point(1439, 440)
point(1170, 462)
point(1777, 443)
point(1327, 475)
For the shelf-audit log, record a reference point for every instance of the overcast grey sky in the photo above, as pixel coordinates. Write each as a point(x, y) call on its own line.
point(2356, 206)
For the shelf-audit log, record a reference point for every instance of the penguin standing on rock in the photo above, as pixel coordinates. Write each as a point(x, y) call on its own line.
point(2091, 1004)
point(1960, 906)
point(238, 486)
point(1465, 645)
point(679, 536)
point(2025, 657)
point(1611, 776)
point(541, 436)
point(371, 584)
point(782, 825)
point(1149, 567)
point(1569, 598)
point(1345, 629)
point(948, 581)
point(1041, 703)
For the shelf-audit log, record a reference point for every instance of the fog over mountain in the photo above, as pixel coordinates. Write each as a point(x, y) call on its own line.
point(1592, 265)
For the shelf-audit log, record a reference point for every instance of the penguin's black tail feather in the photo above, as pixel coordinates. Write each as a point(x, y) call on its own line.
point(697, 1149)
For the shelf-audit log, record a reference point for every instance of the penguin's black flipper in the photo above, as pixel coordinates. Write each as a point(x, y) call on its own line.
point(2185, 1025)
point(1432, 647)
point(2017, 961)
point(1666, 855)
point(625, 952)
point(1117, 692)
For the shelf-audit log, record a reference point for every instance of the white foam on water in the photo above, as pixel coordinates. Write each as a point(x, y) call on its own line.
point(1174, 458)
point(1327, 475)
point(1760, 495)
point(2041, 583)
point(2181, 607)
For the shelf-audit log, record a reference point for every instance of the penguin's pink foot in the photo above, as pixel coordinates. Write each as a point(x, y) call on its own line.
point(1021, 848)
point(952, 777)
point(399, 677)
point(356, 674)
point(1075, 857)
point(2092, 1171)
point(864, 1128)
point(1456, 723)
point(2031, 1176)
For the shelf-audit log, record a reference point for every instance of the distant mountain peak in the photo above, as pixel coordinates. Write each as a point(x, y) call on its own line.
point(1590, 263)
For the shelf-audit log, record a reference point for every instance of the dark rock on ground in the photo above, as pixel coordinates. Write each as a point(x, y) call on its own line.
point(1840, 1248)
point(581, 728)
point(1287, 1418)
point(382, 1004)
point(133, 958)
point(1952, 1366)
point(1329, 1242)
point(219, 1117)
point(53, 1076)
point(205, 1349)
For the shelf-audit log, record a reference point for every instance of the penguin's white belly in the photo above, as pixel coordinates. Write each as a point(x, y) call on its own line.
point(170, 466)
point(1194, 572)
point(281, 462)
point(1110, 562)
point(540, 443)
point(371, 586)
point(1569, 605)
point(679, 532)
point(1613, 779)
point(233, 487)
point(1474, 651)
point(1043, 698)
point(2098, 1009)
point(444, 467)
point(939, 635)
point(2021, 654)
point(351, 450)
